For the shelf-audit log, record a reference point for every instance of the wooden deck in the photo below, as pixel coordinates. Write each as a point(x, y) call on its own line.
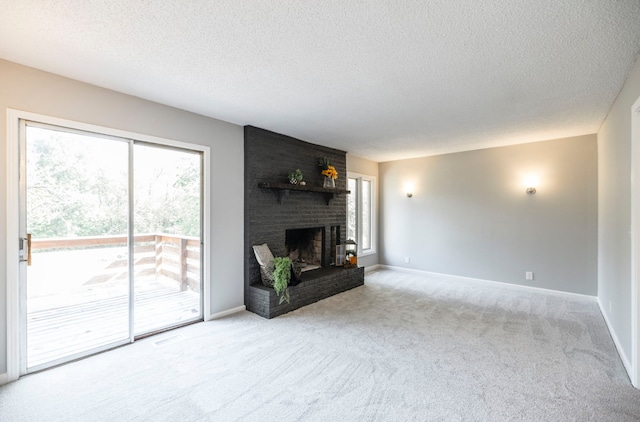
point(97, 315)
point(78, 291)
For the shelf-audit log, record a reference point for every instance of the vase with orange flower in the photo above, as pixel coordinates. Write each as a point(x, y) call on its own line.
point(329, 172)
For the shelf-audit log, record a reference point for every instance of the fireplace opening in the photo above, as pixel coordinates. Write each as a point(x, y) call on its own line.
point(305, 247)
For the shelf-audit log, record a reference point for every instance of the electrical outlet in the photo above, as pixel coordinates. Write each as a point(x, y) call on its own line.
point(407, 260)
point(528, 275)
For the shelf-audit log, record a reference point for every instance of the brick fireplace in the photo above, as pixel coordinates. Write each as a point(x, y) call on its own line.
point(303, 223)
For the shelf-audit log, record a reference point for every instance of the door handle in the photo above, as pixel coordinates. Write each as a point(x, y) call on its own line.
point(26, 242)
point(28, 249)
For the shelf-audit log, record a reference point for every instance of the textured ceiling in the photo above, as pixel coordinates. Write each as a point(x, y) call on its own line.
point(380, 79)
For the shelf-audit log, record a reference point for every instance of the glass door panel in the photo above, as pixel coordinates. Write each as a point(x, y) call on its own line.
point(167, 237)
point(77, 284)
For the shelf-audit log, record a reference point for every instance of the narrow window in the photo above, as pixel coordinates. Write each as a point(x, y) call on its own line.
point(361, 212)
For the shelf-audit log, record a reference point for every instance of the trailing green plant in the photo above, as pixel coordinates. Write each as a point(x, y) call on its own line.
point(281, 277)
point(351, 252)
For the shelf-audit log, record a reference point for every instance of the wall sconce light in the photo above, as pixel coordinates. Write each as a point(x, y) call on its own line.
point(530, 182)
point(408, 187)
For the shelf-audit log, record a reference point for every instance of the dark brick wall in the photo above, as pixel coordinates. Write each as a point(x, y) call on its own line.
point(270, 157)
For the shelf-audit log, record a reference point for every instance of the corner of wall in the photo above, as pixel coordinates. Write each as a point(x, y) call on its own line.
point(617, 193)
point(616, 341)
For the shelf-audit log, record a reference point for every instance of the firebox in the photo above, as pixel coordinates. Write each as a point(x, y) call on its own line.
point(305, 247)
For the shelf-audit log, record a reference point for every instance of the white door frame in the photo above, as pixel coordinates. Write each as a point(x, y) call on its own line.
point(635, 244)
point(13, 213)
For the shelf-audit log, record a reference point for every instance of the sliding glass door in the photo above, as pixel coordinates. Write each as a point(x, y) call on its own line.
point(167, 221)
point(111, 233)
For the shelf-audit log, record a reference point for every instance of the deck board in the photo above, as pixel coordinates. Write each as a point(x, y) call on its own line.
point(97, 315)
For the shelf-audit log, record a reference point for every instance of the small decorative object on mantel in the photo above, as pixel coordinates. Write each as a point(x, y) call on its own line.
point(295, 177)
point(329, 172)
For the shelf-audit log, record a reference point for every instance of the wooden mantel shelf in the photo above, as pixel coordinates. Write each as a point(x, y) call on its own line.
point(283, 190)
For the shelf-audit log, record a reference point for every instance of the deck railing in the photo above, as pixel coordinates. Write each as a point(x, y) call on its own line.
point(160, 254)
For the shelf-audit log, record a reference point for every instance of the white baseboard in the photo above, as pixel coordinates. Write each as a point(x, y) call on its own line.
point(4, 379)
point(371, 268)
point(625, 361)
point(228, 312)
point(497, 283)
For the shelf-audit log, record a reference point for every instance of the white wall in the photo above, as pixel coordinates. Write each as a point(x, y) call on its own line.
point(370, 168)
point(470, 215)
point(28, 89)
point(614, 213)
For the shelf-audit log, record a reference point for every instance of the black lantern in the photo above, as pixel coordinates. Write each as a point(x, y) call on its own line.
point(351, 253)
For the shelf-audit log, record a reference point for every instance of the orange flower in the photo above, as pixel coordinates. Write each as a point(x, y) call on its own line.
point(330, 171)
point(327, 169)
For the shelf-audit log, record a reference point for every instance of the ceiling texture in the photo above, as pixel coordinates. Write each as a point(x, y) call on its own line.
point(381, 79)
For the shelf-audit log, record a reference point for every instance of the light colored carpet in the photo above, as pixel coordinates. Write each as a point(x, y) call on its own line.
point(401, 348)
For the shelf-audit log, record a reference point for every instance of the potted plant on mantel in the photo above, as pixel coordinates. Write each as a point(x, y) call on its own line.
point(281, 277)
point(295, 177)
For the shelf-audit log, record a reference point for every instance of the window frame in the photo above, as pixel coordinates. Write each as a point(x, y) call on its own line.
point(359, 178)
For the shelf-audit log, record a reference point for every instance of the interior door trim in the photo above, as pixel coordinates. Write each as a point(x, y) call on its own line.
point(633, 366)
point(13, 246)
